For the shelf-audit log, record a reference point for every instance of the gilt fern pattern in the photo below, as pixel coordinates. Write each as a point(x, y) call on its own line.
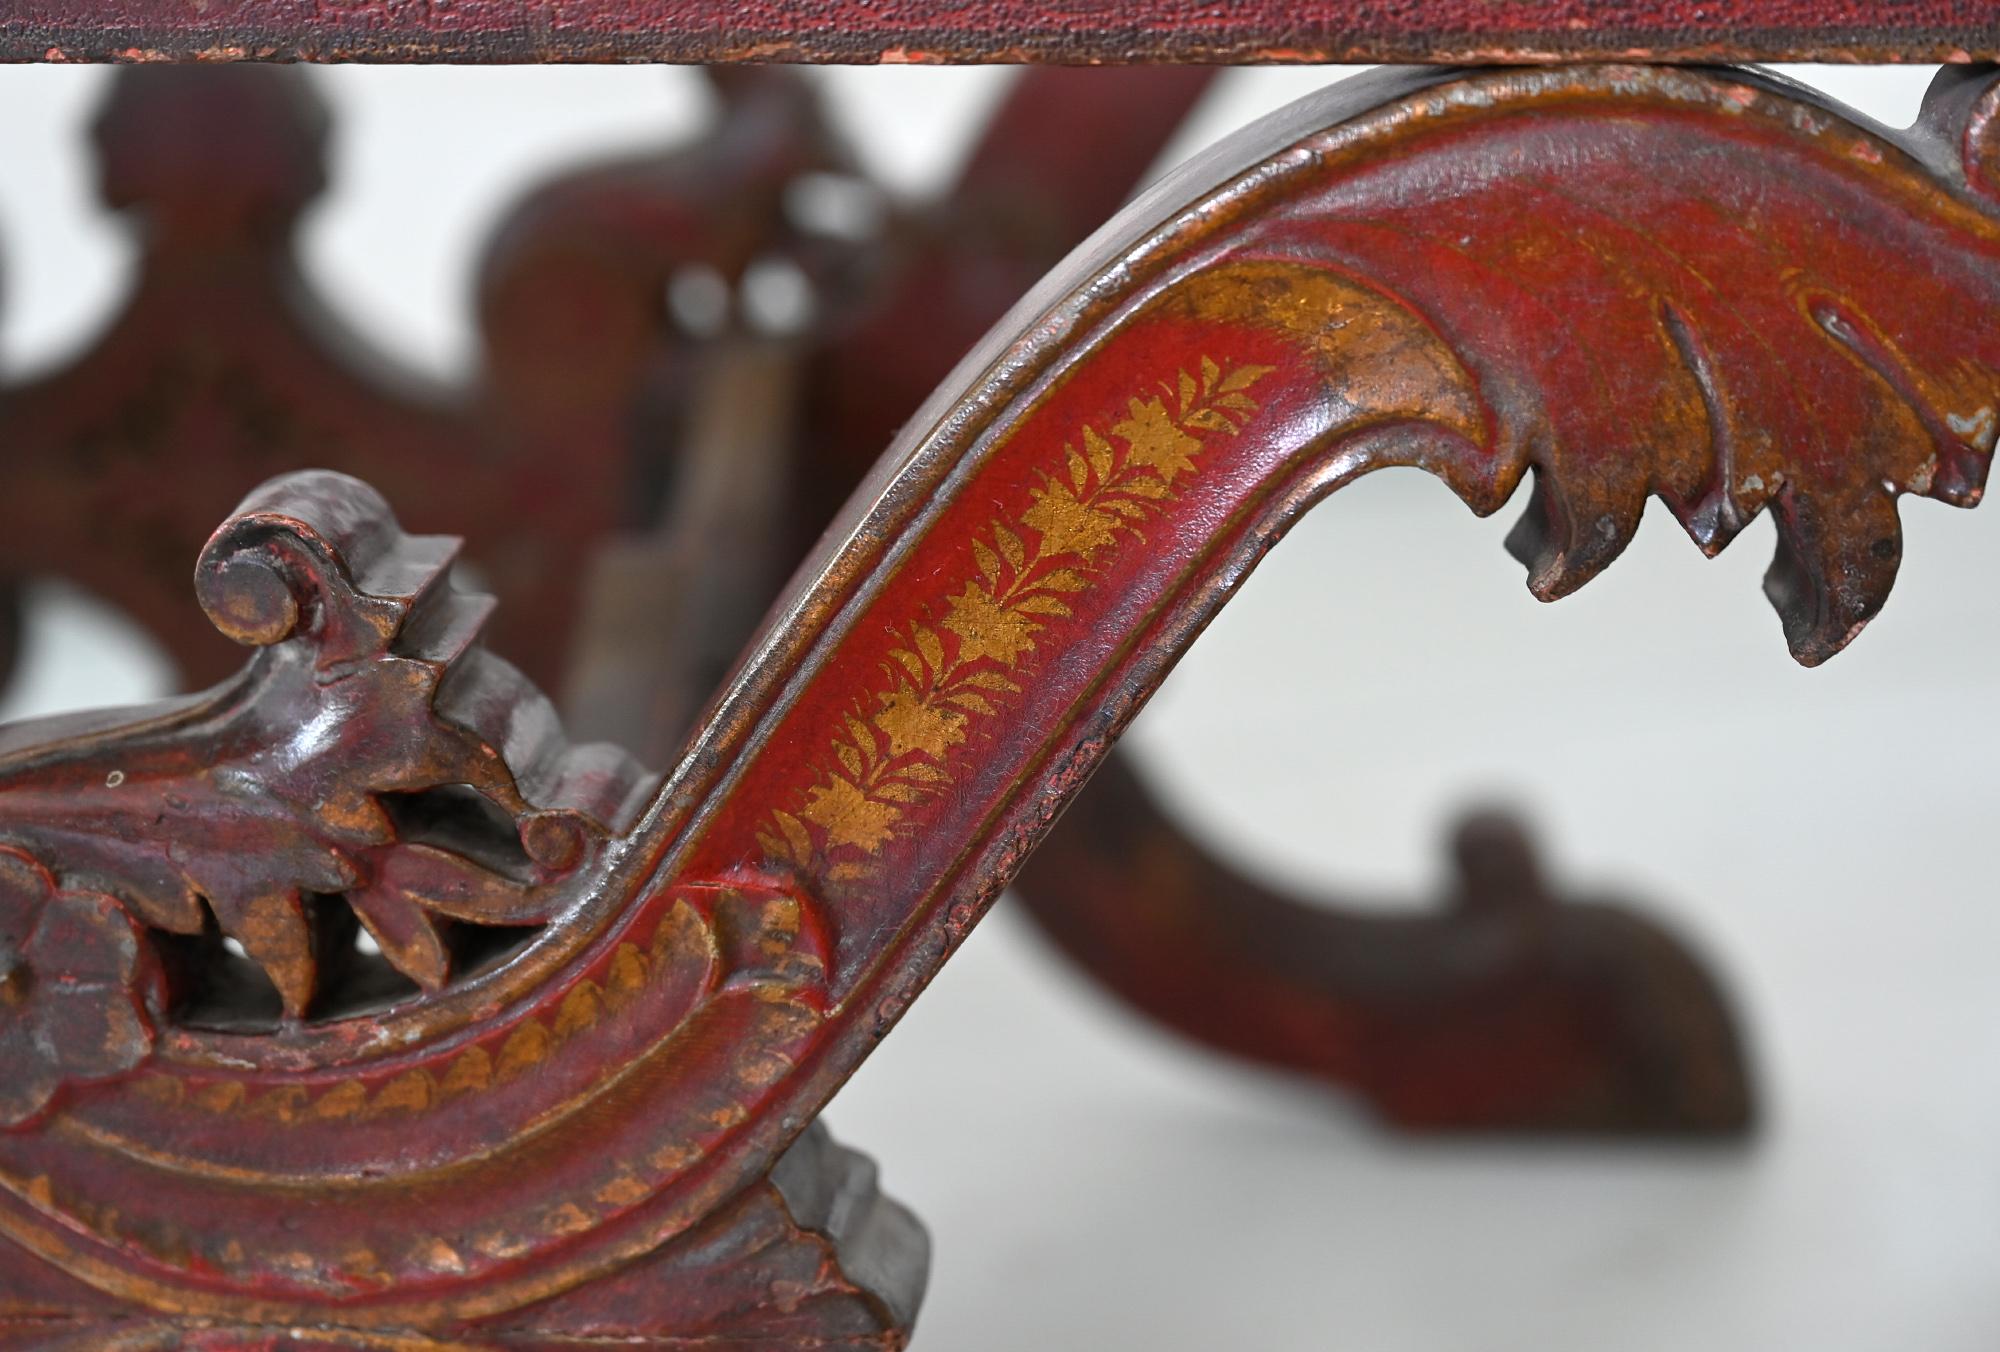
point(959, 664)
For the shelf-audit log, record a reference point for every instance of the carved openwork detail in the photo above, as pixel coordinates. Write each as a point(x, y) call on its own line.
point(371, 763)
point(1702, 285)
point(373, 768)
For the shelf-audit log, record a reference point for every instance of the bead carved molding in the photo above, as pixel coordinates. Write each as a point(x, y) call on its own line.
point(1705, 286)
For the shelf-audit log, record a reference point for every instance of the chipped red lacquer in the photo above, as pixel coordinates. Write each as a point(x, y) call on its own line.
point(1616, 277)
point(997, 30)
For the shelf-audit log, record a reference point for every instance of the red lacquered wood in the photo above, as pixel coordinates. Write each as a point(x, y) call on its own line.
point(1075, 31)
point(1384, 292)
point(225, 365)
point(1499, 1006)
point(1377, 277)
point(580, 353)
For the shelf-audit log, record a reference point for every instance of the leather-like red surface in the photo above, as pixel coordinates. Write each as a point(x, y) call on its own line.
point(1092, 31)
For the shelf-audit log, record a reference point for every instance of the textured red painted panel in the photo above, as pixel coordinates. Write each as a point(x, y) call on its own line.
point(1090, 31)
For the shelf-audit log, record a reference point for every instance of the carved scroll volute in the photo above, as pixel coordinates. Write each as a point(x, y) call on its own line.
point(372, 765)
point(302, 782)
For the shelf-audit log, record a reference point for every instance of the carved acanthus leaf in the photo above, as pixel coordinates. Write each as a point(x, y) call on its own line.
point(369, 750)
point(1702, 286)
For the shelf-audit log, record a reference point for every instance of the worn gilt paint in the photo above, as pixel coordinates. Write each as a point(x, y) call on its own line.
point(1703, 286)
point(957, 667)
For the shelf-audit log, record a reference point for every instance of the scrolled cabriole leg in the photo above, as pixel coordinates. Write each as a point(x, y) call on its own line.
point(606, 1010)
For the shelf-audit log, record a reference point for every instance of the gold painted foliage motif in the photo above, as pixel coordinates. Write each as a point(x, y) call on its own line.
point(948, 669)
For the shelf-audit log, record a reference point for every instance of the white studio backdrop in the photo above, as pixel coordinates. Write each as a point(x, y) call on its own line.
point(1092, 1185)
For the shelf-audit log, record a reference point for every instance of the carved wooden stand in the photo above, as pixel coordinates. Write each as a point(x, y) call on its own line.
point(731, 447)
point(571, 1101)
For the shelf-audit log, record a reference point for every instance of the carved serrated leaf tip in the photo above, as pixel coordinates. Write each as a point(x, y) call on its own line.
point(372, 752)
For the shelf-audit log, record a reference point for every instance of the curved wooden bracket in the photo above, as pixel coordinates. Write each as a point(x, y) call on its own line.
point(1703, 285)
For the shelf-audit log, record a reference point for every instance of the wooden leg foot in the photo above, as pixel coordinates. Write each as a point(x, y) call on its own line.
point(1503, 1008)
